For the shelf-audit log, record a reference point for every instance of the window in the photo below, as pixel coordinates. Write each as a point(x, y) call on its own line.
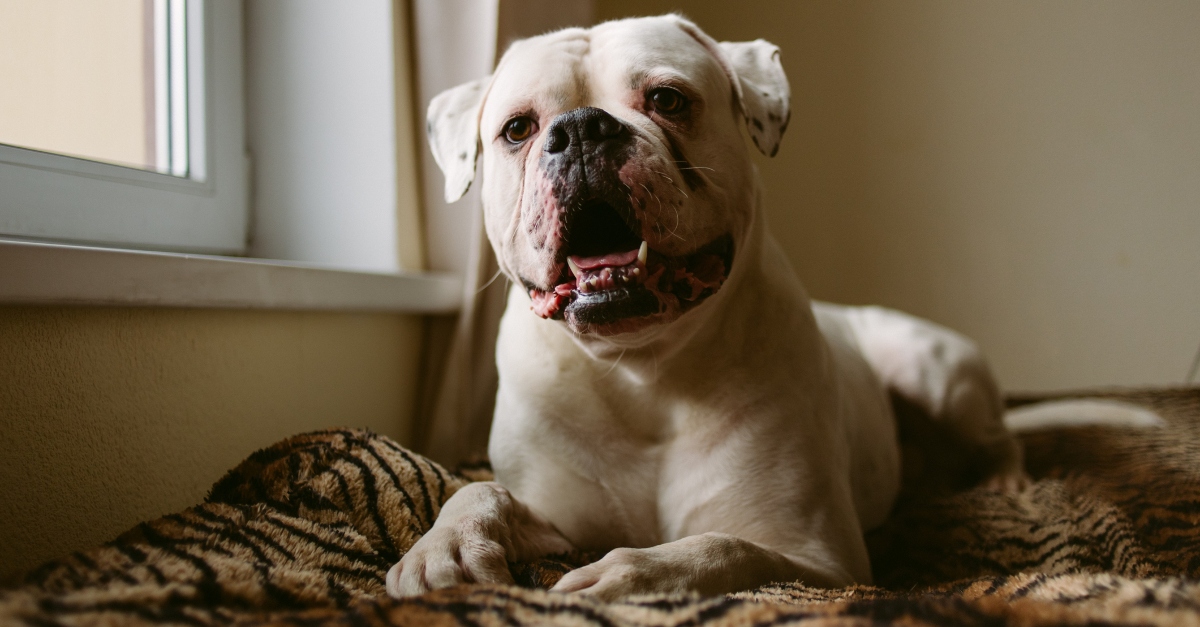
point(327, 115)
point(121, 123)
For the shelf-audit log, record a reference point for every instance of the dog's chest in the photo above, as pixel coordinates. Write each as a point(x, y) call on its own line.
point(613, 476)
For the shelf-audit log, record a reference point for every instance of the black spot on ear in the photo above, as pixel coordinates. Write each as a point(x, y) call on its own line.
point(462, 156)
point(766, 93)
point(773, 117)
point(757, 124)
point(774, 149)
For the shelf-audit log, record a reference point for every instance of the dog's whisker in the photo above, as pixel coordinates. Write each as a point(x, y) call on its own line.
point(656, 199)
point(660, 204)
point(614, 364)
point(490, 281)
point(672, 182)
point(684, 165)
point(675, 228)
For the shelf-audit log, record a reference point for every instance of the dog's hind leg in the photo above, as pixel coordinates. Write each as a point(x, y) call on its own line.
point(944, 375)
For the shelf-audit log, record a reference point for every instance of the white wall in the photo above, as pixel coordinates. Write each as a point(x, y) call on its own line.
point(1027, 172)
point(335, 167)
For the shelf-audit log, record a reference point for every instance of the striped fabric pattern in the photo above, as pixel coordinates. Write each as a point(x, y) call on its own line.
point(303, 532)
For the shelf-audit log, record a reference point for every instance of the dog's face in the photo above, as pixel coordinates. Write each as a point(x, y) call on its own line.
point(617, 185)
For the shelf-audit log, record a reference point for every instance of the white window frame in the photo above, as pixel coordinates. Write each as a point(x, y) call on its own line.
point(67, 225)
point(46, 196)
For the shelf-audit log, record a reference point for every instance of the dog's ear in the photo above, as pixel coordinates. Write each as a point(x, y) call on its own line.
point(453, 127)
point(765, 95)
point(759, 84)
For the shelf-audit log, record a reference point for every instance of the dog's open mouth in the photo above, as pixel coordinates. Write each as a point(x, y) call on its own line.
point(612, 275)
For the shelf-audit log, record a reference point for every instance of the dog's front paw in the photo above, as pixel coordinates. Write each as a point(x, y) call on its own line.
point(623, 572)
point(447, 556)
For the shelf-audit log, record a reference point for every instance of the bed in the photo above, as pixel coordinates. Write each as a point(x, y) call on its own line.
point(303, 532)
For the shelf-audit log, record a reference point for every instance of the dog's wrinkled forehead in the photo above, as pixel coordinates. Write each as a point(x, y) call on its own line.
point(597, 67)
point(602, 67)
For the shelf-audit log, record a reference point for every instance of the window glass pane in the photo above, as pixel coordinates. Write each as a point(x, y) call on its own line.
point(100, 79)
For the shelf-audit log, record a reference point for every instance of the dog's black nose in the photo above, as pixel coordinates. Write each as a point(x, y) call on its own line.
point(581, 127)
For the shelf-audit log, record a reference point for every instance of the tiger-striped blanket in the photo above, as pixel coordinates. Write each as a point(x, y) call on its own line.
point(304, 531)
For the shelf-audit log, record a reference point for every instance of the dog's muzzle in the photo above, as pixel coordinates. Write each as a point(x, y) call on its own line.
point(609, 273)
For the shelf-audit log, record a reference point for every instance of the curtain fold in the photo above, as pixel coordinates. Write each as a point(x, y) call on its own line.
point(456, 41)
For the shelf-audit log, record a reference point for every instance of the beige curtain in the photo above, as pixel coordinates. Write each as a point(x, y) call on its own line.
point(456, 41)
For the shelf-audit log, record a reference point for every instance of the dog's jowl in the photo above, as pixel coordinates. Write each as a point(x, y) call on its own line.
point(668, 392)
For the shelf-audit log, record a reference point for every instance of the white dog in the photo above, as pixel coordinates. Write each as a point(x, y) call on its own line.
point(668, 393)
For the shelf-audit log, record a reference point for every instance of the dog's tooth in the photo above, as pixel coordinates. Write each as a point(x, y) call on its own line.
point(574, 268)
point(635, 272)
point(642, 252)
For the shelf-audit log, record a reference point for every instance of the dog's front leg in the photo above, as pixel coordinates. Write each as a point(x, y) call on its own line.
point(709, 563)
point(479, 530)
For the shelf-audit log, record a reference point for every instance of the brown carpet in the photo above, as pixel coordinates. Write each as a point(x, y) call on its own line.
point(303, 532)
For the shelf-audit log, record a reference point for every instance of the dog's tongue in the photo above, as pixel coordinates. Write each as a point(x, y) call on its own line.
point(611, 260)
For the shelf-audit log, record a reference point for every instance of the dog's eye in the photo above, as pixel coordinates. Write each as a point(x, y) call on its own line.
point(519, 129)
point(667, 101)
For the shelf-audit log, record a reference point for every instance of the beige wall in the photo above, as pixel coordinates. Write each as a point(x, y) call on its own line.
point(1027, 172)
point(72, 78)
point(113, 416)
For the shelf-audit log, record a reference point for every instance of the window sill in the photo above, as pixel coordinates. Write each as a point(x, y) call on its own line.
point(61, 274)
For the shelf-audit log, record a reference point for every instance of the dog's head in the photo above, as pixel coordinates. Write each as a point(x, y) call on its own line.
point(617, 184)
